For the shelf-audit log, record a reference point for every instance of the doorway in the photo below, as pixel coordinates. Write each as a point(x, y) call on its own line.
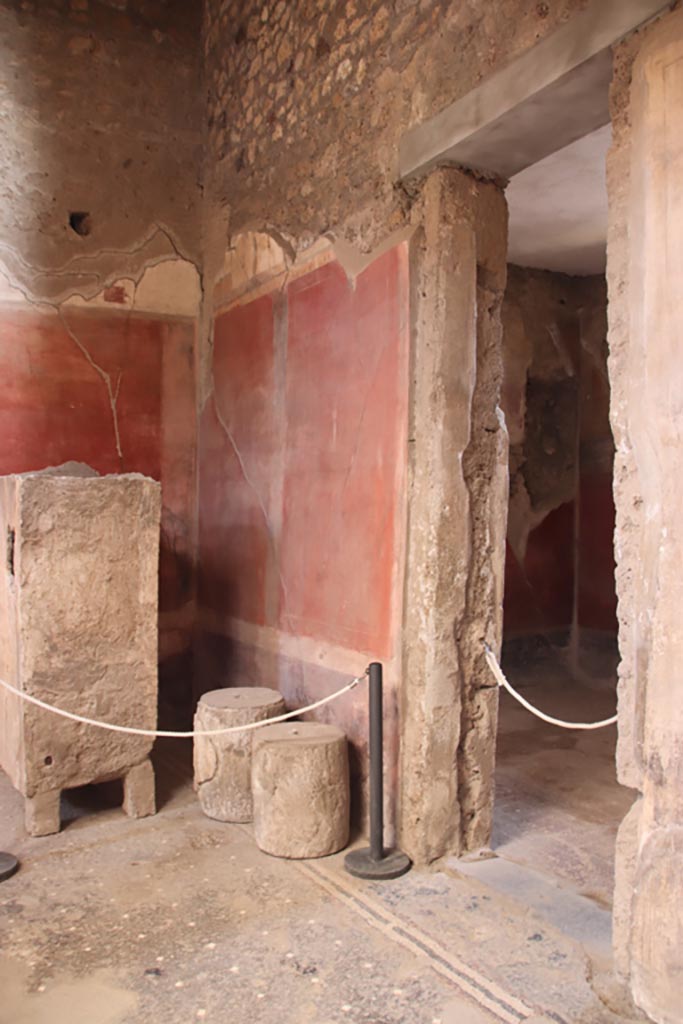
point(558, 805)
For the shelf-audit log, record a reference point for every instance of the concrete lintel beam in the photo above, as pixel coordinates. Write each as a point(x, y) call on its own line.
point(512, 119)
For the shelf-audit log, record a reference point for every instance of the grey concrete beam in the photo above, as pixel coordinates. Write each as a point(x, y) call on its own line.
point(548, 97)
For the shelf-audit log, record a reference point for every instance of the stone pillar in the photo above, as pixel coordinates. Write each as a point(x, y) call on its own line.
point(645, 261)
point(457, 510)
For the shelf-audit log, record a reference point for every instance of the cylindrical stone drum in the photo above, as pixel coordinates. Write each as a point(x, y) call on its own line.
point(300, 786)
point(222, 764)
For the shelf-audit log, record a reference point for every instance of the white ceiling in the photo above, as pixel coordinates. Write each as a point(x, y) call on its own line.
point(558, 209)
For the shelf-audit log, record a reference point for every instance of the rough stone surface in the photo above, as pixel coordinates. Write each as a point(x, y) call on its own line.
point(79, 589)
point(625, 864)
point(300, 781)
point(41, 812)
point(307, 100)
point(644, 257)
point(542, 354)
point(222, 764)
point(139, 799)
point(101, 102)
point(657, 942)
point(555, 397)
point(117, 921)
point(456, 521)
point(629, 507)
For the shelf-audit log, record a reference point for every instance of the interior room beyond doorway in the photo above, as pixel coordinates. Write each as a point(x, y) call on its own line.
point(558, 803)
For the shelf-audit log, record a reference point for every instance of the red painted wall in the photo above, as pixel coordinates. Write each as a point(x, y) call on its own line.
point(597, 599)
point(539, 593)
point(55, 408)
point(299, 457)
point(345, 416)
point(55, 405)
point(238, 464)
point(302, 458)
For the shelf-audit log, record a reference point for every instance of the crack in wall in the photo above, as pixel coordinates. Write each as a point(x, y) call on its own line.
point(284, 612)
point(486, 447)
point(25, 277)
point(243, 469)
point(63, 270)
point(112, 394)
point(102, 281)
point(112, 388)
point(275, 554)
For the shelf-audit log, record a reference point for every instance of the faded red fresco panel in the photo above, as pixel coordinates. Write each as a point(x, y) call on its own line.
point(55, 406)
point(346, 413)
point(178, 469)
point(597, 591)
point(240, 445)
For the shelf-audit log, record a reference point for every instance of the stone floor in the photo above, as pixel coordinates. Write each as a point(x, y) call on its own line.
point(178, 918)
point(558, 803)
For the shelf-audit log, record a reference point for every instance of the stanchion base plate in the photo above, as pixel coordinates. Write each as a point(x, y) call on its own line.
point(8, 865)
point(362, 864)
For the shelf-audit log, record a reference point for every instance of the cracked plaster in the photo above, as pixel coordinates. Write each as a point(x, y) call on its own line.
point(92, 133)
point(168, 287)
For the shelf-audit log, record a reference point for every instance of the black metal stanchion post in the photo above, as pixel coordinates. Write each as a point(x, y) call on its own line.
point(374, 861)
point(376, 762)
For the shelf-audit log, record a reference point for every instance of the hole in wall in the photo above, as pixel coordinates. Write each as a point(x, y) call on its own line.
point(48, 760)
point(322, 48)
point(11, 536)
point(80, 222)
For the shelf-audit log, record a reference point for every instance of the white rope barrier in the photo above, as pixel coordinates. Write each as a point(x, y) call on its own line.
point(131, 731)
point(497, 671)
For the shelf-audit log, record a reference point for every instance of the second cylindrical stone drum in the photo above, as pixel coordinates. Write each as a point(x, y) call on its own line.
point(222, 764)
point(300, 785)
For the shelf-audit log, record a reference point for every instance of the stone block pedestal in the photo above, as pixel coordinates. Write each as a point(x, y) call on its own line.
point(222, 764)
point(78, 629)
point(300, 784)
